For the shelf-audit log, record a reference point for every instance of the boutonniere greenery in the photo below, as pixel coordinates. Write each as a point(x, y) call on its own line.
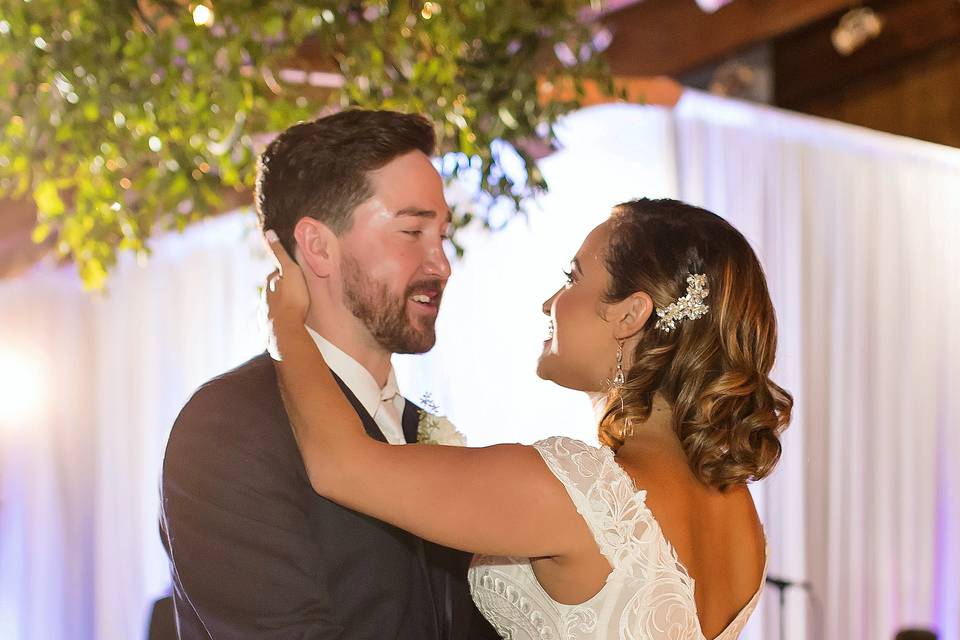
point(436, 429)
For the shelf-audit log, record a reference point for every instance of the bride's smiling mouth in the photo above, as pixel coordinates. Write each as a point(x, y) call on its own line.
point(551, 330)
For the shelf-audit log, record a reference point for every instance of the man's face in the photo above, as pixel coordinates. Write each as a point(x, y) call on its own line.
point(394, 262)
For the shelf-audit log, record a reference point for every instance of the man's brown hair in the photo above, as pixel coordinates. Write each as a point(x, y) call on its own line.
point(319, 168)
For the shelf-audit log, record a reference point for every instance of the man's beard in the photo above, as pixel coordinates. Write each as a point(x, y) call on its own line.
point(385, 316)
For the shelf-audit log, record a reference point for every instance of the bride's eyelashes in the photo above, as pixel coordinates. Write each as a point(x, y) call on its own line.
point(569, 276)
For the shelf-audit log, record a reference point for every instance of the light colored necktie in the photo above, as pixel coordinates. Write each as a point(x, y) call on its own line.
point(389, 415)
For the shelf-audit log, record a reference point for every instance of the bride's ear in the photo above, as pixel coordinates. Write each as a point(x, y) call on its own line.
point(630, 315)
point(316, 247)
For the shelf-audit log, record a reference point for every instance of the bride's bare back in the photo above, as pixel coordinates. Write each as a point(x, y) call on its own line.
point(717, 536)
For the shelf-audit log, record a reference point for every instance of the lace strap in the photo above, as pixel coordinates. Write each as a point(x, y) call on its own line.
point(598, 489)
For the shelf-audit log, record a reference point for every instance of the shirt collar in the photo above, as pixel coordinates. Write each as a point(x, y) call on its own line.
point(353, 374)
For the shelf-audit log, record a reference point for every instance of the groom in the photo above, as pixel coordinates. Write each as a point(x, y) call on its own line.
point(254, 552)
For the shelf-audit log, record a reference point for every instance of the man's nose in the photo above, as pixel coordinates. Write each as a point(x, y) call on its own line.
point(437, 264)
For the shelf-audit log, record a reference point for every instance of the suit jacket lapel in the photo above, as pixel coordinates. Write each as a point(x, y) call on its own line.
point(410, 422)
point(368, 423)
point(437, 577)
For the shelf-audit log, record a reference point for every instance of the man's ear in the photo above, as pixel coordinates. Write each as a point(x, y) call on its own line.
point(630, 315)
point(317, 247)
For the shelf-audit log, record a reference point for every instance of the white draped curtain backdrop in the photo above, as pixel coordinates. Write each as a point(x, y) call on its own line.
point(859, 235)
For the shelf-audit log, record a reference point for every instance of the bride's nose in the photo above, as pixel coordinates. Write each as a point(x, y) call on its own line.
point(548, 304)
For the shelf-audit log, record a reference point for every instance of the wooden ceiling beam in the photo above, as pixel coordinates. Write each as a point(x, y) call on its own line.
point(670, 37)
point(807, 66)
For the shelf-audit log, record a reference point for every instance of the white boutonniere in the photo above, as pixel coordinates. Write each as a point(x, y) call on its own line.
point(436, 429)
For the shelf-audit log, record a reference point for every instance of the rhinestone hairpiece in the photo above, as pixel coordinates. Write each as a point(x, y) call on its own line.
point(690, 306)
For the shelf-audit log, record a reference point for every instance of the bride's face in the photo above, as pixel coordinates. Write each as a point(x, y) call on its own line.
point(581, 353)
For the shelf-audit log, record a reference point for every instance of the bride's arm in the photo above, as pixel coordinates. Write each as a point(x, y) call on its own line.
point(499, 500)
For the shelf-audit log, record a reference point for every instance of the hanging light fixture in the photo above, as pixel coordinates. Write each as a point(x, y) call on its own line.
point(856, 28)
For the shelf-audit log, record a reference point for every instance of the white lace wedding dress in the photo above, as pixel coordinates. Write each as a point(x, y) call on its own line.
point(647, 596)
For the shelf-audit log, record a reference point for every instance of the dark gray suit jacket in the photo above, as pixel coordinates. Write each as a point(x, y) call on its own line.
point(256, 553)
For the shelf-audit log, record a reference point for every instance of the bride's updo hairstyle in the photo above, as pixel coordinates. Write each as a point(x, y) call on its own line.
point(714, 370)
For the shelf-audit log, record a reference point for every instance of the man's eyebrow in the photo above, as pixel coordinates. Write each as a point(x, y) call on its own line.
point(423, 213)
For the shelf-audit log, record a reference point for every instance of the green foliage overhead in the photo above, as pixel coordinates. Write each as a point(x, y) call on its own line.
point(124, 117)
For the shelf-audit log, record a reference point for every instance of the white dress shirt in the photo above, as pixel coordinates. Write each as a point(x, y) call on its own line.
point(384, 404)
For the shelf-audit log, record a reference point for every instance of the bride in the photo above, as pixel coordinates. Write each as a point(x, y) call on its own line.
point(654, 534)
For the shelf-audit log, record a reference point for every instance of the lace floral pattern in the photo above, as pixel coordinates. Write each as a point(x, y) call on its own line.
point(648, 595)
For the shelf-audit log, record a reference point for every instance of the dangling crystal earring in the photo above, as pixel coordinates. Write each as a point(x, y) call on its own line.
point(619, 377)
point(618, 380)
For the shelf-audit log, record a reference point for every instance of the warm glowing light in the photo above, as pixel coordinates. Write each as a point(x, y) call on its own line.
point(202, 15)
point(429, 9)
point(21, 391)
point(711, 6)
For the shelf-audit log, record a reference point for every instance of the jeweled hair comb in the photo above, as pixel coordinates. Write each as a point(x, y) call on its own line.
point(688, 307)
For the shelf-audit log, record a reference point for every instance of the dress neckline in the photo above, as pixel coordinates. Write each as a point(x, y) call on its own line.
point(640, 495)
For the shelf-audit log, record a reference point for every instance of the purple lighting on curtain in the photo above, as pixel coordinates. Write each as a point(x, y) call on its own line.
point(946, 594)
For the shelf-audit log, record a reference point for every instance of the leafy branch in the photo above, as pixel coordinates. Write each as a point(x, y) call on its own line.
point(124, 118)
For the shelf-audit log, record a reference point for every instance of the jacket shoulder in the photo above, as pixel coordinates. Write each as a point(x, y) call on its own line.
point(230, 411)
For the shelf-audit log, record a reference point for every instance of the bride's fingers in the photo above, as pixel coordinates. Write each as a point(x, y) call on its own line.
point(273, 280)
point(280, 255)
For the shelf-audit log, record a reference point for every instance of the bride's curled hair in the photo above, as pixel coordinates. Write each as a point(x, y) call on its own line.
point(713, 371)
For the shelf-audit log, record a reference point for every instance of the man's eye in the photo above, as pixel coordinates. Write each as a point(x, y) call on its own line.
point(413, 232)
